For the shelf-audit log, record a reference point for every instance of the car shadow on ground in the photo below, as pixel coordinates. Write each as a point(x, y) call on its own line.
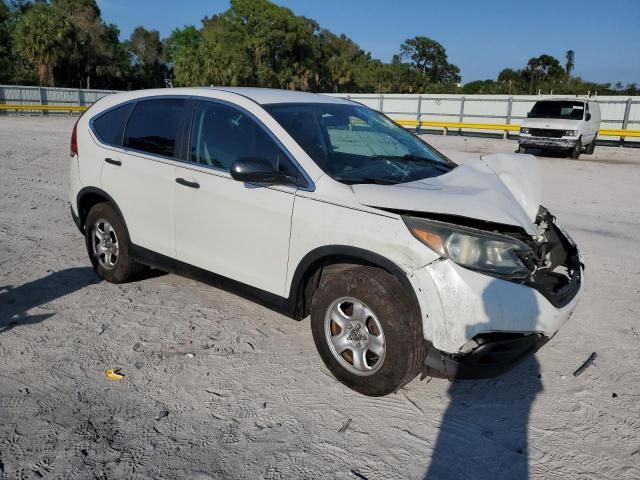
point(16, 302)
point(483, 434)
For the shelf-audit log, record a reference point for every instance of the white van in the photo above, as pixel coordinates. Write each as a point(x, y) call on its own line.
point(561, 124)
point(316, 206)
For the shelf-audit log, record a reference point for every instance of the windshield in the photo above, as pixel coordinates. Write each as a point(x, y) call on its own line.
point(567, 110)
point(354, 144)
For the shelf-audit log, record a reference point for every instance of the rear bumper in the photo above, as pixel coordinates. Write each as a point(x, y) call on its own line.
point(546, 142)
point(76, 220)
point(496, 353)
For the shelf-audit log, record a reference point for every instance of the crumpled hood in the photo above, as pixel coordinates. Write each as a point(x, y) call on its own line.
point(502, 188)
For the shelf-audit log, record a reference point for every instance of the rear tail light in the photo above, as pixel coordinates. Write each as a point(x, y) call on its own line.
point(74, 140)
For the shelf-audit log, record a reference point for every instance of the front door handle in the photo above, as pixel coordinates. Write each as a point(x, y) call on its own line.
point(187, 183)
point(117, 163)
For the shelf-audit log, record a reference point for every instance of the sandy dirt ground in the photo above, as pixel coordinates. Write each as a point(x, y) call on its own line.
point(217, 387)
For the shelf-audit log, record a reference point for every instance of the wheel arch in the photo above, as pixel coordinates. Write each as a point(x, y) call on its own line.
point(87, 198)
point(314, 264)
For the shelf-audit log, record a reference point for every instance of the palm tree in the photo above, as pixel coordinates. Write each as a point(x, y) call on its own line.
point(38, 37)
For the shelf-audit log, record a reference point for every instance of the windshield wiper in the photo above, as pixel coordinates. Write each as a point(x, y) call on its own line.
point(413, 158)
point(375, 181)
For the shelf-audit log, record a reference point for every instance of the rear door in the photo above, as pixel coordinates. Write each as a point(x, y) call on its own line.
point(234, 229)
point(140, 176)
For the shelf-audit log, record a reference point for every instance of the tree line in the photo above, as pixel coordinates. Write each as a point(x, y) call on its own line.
point(254, 43)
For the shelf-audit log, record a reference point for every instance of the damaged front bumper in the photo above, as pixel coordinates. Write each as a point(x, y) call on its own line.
point(480, 326)
point(547, 142)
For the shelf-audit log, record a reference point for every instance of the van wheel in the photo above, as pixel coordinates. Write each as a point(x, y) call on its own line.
point(367, 330)
point(108, 243)
point(591, 147)
point(522, 149)
point(576, 150)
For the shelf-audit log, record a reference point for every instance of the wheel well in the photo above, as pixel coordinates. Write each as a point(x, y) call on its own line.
point(320, 268)
point(86, 201)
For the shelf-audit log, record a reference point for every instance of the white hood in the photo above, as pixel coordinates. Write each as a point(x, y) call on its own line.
point(502, 188)
point(551, 123)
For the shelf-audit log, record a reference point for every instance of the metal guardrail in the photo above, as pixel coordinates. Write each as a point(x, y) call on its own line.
point(45, 108)
point(504, 127)
point(427, 115)
point(408, 123)
point(498, 113)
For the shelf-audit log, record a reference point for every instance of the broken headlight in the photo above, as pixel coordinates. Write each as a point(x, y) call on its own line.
point(486, 252)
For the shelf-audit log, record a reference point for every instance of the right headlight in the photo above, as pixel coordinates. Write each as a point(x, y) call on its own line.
point(524, 130)
point(486, 252)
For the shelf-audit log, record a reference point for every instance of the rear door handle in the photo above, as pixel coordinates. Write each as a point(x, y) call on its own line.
point(187, 183)
point(113, 162)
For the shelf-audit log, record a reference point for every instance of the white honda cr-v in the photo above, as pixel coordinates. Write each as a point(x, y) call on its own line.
point(312, 205)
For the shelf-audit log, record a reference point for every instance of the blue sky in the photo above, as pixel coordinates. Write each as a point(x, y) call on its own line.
point(480, 37)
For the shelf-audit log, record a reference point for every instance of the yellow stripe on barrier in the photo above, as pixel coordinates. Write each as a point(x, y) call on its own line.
point(57, 108)
point(607, 132)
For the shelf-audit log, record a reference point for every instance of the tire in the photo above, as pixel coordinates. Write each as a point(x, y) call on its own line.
point(576, 150)
point(107, 241)
point(591, 147)
point(522, 149)
point(390, 316)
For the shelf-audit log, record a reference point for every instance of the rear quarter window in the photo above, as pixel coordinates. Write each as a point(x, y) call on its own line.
point(109, 127)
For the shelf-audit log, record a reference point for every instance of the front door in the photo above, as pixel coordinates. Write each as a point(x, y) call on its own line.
point(234, 229)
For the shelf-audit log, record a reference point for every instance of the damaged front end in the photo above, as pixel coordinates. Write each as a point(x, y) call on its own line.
point(506, 323)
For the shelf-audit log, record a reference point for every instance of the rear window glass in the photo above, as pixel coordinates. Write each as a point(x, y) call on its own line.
point(153, 126)
point(110, 126)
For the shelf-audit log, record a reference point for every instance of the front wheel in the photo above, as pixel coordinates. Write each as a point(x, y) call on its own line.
point(367, 330)
point(576, 150)
point(522, 149)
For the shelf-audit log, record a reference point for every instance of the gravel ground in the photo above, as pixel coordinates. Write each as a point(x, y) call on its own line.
point(217, 387)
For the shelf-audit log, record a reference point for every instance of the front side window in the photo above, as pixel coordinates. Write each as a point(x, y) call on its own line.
point(354, 144)
point(109, 126)
point(567, 110)
point(154, 126)
point(222, 134)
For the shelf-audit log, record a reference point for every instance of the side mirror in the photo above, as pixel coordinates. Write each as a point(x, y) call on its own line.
point(259, 170)
point(588, 117)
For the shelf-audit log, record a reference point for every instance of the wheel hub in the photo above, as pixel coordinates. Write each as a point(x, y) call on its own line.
point(104, 243)
point(354, 335)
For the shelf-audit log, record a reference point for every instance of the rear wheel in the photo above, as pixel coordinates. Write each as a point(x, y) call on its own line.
point(367, 330)
point(576, 150)
point(108, 243)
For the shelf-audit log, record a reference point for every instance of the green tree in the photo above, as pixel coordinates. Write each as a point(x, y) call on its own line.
point(6, 43)
point(147, 55)
point(430, 58)
point(183, 50)
point(570, 62)
point(39, 37)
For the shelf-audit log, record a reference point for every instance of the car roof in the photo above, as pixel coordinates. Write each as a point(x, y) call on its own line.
point(266, 96)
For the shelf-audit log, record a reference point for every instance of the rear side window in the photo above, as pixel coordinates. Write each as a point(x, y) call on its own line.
point(109, 127)
point(154, 126)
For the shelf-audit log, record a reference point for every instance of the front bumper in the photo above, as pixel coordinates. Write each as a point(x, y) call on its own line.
point(478, 326)
point(497, 353)
point(546, 142)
